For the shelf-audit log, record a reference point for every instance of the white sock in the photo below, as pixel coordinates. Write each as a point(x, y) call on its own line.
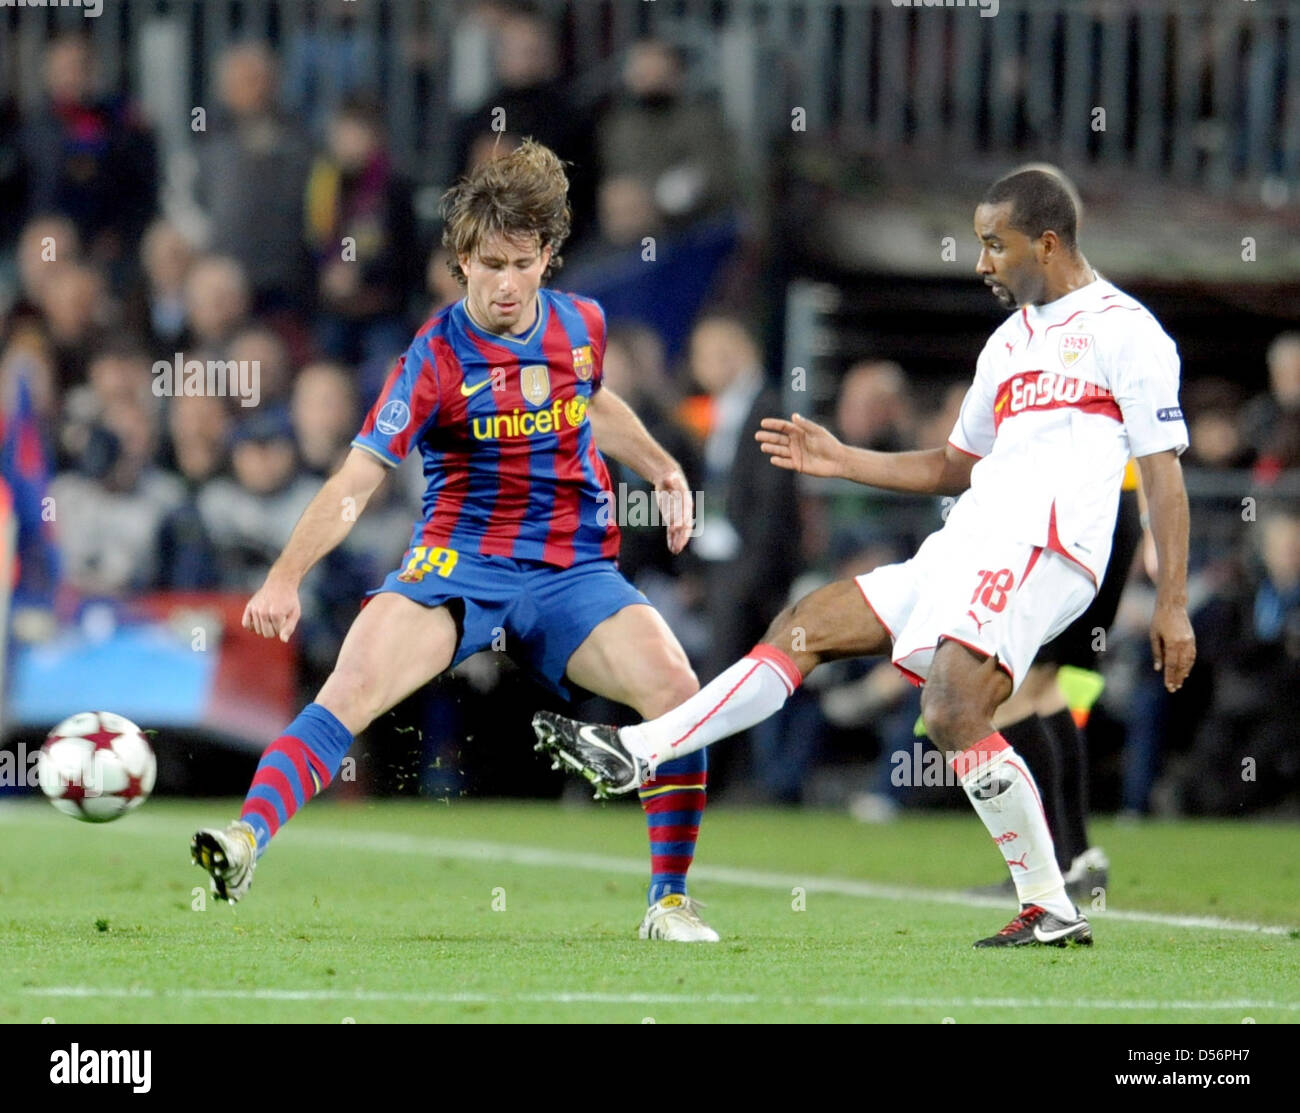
point(999, 785)
point(748, 692)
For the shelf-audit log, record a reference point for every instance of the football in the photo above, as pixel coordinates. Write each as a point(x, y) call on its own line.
point(96, 766)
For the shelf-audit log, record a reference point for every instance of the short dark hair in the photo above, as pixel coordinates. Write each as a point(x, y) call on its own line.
point(1040, 202)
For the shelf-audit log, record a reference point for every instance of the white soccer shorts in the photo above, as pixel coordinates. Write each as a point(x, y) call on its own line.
point(999, 597)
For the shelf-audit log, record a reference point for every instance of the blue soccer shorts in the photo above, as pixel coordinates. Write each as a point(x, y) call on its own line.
point(543, 612)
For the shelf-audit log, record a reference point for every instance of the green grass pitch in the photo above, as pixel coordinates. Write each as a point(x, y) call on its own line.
point(468, 912)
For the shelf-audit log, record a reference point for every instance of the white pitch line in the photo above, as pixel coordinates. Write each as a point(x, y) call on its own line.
point(591, 998)
point(387, 842)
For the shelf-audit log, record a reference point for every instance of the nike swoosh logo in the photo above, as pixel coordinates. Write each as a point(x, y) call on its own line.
point(474, 389)
point(639, 772)
point(1051, 936)
point(588, 734)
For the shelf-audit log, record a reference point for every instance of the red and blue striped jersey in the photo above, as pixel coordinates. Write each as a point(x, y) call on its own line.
point(501, 421)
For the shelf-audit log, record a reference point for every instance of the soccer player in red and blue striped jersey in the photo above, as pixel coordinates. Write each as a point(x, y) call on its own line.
point(501, 395)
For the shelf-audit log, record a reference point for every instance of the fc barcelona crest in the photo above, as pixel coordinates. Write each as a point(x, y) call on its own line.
point(535, 383)
point(1072, 347)
point(584, 363)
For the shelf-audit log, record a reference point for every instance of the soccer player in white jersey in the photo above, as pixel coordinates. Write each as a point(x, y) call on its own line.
point(1077, 379)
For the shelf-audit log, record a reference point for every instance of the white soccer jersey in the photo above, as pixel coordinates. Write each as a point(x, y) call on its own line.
point(1064, 394)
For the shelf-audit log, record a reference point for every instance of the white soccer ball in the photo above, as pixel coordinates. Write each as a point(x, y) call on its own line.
point(96, 766)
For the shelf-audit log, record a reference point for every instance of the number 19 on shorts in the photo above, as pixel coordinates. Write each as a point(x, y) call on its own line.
point(424, 560)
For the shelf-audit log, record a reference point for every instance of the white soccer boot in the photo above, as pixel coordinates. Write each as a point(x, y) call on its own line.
point(675, 918)
point(229, 854)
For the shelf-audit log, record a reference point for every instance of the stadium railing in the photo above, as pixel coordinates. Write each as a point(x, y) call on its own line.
point(1194, 91)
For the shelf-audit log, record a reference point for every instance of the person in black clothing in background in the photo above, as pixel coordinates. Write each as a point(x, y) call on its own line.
point(748, 517)
point(361, 226)
point(533, 100)
point(90, 159)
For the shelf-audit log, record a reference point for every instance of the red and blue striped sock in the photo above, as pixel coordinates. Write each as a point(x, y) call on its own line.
point(293, 769)
point(673, 803)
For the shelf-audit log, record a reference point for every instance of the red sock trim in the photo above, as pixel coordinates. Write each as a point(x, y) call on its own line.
point(784, 665)
point(978, 755)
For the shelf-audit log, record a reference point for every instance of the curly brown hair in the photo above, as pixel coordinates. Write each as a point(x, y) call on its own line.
point(519, 195)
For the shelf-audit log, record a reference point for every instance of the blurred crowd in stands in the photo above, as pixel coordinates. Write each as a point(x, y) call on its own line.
point(312, 267)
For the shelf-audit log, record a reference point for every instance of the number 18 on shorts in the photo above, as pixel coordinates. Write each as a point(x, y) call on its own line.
point(1003, 598)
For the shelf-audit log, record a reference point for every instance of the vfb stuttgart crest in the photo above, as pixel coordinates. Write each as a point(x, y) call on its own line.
point(535, 383)
point(584, 363)
point(1072, 347)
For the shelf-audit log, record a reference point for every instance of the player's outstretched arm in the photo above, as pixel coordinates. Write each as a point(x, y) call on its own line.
point(811, 449)
point(274, 610)
point(621, 435)
point(1173, 645)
